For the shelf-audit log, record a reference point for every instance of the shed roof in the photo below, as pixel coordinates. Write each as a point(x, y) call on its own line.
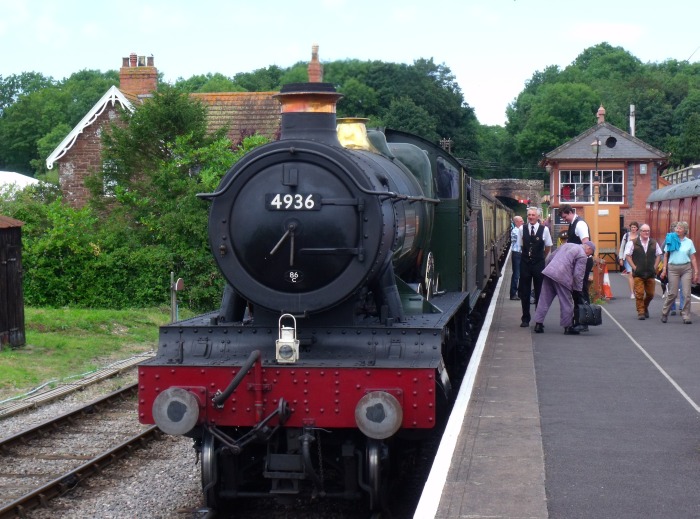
point(8, 223)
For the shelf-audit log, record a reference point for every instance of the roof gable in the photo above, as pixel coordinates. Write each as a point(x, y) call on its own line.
point(112, 96)
point(615, 144)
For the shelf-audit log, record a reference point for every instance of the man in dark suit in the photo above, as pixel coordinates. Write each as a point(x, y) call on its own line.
point(536, 243)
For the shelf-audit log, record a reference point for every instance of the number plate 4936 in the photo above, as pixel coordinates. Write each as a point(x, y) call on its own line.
point(293, 202)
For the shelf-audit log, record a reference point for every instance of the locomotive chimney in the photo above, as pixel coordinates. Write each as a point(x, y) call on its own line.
point(308, 112)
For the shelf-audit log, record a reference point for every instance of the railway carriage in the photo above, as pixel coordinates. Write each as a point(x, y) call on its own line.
point(355, 261)
point(670, 204)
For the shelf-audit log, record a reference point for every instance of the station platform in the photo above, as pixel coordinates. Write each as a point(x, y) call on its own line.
point(605, 424)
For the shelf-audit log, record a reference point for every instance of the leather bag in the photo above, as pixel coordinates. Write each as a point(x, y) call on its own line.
point(590, 314)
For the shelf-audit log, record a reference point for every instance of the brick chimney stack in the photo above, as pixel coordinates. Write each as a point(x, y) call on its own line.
point(601, 114)
point(315, 67)
point(137, 75)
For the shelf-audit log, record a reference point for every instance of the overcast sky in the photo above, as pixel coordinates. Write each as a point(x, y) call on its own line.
point(492, 46)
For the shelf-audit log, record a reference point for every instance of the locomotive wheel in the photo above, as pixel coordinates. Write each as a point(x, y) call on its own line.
point(213, 473)
point(209, 472)
point(377, 470)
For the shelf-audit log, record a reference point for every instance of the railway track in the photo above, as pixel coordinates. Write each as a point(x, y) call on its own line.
point(14, 406)
point(51, 458)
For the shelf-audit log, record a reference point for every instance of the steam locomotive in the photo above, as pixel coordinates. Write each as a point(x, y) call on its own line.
point(355, 262)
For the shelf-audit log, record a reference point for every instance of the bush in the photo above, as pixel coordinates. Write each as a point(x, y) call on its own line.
point(121, 256)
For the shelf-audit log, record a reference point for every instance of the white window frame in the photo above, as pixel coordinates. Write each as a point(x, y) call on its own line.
point(581, 182)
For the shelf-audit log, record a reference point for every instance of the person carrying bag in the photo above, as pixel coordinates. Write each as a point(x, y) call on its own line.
point(621, 252)
point(625, 267)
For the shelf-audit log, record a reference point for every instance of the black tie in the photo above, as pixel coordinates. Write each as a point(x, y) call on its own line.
point(532, 231)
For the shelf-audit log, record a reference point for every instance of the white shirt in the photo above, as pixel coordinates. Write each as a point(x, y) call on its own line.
point(546, 237)
point(629, 248)
point(581, 230)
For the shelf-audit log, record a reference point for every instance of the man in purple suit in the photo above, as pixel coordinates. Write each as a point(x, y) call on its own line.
point(563, 276)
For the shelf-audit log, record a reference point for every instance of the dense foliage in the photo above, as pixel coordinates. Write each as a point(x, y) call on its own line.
point(119, 251)
point(557, 105)
point(36, 111)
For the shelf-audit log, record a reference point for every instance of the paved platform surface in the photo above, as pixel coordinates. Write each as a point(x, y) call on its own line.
point(601, 425)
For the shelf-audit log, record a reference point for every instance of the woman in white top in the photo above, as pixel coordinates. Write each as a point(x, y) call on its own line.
point(632, 235)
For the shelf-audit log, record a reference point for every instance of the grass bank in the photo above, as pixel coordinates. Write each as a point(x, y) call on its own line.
point(64, 342)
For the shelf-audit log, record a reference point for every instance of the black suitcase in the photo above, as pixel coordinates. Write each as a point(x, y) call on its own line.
point(590, 314)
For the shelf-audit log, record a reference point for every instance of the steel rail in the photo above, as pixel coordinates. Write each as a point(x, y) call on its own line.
point(53, 423)
point(59, 486)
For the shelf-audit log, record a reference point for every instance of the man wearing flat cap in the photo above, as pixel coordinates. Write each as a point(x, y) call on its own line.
point(578, 233)
point(563, 277)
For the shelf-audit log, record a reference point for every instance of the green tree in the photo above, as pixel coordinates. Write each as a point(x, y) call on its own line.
point(557, 114)
point(359, 100)
point(16, 85)
point(296, 74)
point(144, 139)
point(160, 157)
point(685, 148)
point(260, 80)
point(25, 122)
point(607, 63)
point(496, 155)
point(689, 106)
point(207, 83)
point(45, 146)
point(404, 114)
point(38, 106)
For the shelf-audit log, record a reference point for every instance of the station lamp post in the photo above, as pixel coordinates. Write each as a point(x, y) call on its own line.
point(595, 146)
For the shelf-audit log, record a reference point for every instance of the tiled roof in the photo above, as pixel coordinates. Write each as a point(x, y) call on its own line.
point(8, 223)
point(622, 146)
point(243, 113)
point(134, 99)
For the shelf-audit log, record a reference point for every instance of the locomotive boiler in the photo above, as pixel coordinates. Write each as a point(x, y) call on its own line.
point(304, 225)
point(353, 260)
